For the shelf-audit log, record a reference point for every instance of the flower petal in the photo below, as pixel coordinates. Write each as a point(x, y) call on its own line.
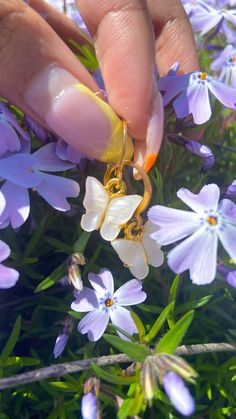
point(175, 224)
point(102, 282)
point(132, 254)
point(48, 161)
point(4, 251)
point(60, 344)
point(206, 199)
point(118, 212)
point(130, 293)
point(231, 278)
point(19, 168)
point(8, 277)
point(17, 204)
point(9, 139)
point(227, 236)
point(198, 254)
point(56, 189)
point(178, 393)
point(89, 406)
point(95, 202)
point(94, 324)
point(199, 103)
point(86, 300)
point(122, 318)
point(224, 93)
point(173, 85)
point(155, 256)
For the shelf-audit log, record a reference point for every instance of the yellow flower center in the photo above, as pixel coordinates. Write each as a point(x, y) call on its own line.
point(212, 220)
point(109, 302)
point(203, 76)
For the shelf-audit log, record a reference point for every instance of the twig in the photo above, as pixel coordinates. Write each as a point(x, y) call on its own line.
point(58, 370)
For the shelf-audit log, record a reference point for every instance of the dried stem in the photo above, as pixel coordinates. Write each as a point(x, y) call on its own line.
point(58, 370)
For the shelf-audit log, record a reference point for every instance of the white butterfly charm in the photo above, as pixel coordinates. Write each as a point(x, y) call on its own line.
point(136, 254)
point(102, 211)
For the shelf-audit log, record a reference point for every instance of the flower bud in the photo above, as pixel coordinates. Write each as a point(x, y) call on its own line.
point(73, 270)
point(178, 393)
point(149, 378)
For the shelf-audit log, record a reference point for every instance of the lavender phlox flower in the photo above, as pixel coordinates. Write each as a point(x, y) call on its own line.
point(8, 276)
point(62, 338)
point(10, 131)
point(69, 7)
point(90, 402)
point(138, 252)
point(103, 304)
point(67, 152)
point(190, 94)
point(210, 221)
point(23, 171)
point(38, 130)
point(192, 6)
point(89, 406)
point(204, 19)
point(168, 370)
point(228, 274)
point(231, 190)
point(196, 148)
point(226, 64)
point(178, 393)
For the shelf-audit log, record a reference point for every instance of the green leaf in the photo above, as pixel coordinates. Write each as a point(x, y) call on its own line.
point(139, 324)
point(174, 289)
point(174, 336)
point(51, 279)
point(81, 243)
point(193, 304)
point(9, 346)
point(59, 245)
point(18, 361)
point(159, 322)
point(111, 377)
point(35, 239)
point(135, 351)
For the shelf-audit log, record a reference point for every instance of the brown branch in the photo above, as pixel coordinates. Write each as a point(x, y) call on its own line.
point(58, 370)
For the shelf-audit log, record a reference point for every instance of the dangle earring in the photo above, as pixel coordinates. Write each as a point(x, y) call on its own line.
point(110, 209)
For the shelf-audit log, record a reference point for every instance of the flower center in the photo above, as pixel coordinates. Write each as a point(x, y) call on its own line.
point(212, 220)
point(109, 302)
point(202, 76)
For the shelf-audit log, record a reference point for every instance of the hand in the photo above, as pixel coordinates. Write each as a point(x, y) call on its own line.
point(41, 75)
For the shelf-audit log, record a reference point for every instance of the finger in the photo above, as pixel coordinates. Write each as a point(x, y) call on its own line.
point(125, 49)
point(175, 42)
point(61, 24)
point(41, 75)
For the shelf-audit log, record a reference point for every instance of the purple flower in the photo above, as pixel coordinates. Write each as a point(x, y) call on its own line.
point(231, 190)
point(191, 94)
point(209, 221)
point(178, 393)
point(89, 406)
point(67, 152)
point(8, 276)
point(23, 171)
point(103, 304)
point(10, 131)
point(60, 344)
point(228, 274)
point(38, 130)
point(226, 64)
point(206, 18)
point(196, 148)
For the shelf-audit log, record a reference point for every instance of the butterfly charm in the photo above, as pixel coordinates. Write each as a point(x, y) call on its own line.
point(109, 214)
point(138, 253)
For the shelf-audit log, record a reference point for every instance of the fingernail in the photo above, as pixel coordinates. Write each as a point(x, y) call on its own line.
point(154, 130)
point(77, 115)
point(146, 152)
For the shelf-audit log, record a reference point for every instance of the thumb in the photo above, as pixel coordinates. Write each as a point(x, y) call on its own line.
point(41, 76)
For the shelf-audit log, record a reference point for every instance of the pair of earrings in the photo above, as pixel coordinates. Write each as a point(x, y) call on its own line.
point(117, 215)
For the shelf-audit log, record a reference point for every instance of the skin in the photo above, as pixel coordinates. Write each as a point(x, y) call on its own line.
point(130, 37)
